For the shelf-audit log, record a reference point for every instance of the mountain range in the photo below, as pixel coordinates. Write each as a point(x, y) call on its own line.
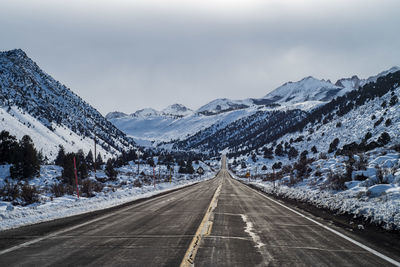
point(181, 125)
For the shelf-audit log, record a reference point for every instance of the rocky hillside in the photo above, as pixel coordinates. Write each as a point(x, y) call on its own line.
point(31, 101)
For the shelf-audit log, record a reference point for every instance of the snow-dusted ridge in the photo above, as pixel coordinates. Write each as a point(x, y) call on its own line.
point(30, 100)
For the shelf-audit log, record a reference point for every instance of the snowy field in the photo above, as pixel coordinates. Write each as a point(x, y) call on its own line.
point(114, 193)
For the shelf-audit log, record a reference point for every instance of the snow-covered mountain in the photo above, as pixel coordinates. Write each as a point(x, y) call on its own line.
point(146, 113)
point(115, 115)
point(32, 102)
point(163, 127)
point(242, 125)
point(307, 89)
point(223, 105)
point(177, 110)
point(152, 125)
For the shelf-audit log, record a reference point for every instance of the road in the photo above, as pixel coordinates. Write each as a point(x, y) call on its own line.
point(219, 222)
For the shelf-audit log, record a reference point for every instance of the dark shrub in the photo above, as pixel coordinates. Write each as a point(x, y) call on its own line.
point(58, 189)
point(137, 183)
point(336, 181)
point(360, 177)
point(9, 192)
point(89, 186)
point(333, 145)
point(29, 194)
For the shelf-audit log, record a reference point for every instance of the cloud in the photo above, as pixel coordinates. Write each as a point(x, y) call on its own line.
point(125, 55)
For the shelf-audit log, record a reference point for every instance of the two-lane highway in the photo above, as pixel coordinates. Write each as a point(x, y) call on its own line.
point(219, 222)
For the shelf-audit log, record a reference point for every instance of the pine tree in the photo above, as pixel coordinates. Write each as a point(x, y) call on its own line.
point(27, 162)
point(254, 157)
point(292, 153)
point(82, 167)
point(268, 153)
point(150, 161)
point(60, 156)
point(8, 147)
point(314, 150)
point(99, 161)
point(68, 173)
point(384, 139)
point(279, 150)
point(243, 165)
point(189, 167)
point(333, 145)
point(89, 160)
point(110, 171)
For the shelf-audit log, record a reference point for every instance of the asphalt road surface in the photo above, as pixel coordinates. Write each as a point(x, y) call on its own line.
point(219, 222)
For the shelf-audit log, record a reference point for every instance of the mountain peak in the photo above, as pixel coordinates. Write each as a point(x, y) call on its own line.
point(14, 53)
point(146, 113)
point(115, 115)
point(307, 89)
point(177, 110)
point(222, 105)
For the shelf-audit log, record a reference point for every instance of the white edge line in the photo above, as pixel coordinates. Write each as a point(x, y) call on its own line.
point(376, 253)
point(36, 240)
point(57, 233)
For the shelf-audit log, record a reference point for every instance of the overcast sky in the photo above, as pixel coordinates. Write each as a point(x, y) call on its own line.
point(130, 54)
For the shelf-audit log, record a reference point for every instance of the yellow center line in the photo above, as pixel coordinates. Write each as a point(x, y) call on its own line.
point(203, 230)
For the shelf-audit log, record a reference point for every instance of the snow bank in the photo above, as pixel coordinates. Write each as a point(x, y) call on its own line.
point(13, 217)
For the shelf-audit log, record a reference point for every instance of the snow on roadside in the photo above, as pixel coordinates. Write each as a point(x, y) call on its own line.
point(382, 209)
point(13, 217)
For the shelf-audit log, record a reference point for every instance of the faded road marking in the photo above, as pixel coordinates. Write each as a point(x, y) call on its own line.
point(250, 230)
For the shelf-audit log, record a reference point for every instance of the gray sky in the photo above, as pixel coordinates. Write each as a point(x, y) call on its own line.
point(129, 54)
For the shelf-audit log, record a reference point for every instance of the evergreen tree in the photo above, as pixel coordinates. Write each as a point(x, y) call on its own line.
point(81, 165)
point(264, 168)
point(333, 145)
point(8, 147)
point(253, 157)
point(41, 158)
point(189, 167)
point(268, 153)
point(99, 161)
point(303, 156)
point(292, 153)
point(279, 150)
point(243, 165)
point(276, 166)
point(393, 100)
point(68, 173)
point(150, 161)
point(368, 135)
point(110, 171)
point(314, 150)
point(384, 139)
point(89, 160)
point(27, 162)
point(60, 156)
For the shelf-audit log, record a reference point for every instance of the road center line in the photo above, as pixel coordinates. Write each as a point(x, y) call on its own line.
point(376, 253)
point(203, 230)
